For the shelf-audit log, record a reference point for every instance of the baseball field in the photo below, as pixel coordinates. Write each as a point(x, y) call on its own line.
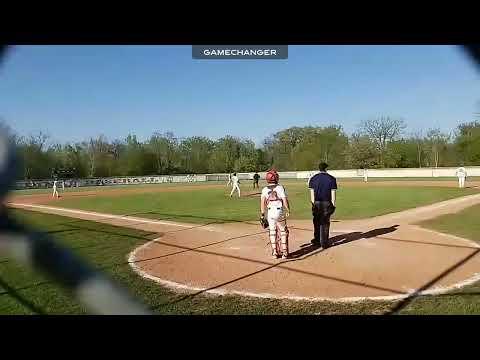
point(400, 246)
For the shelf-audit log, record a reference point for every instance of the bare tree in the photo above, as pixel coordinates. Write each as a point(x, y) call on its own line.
point(96, 147)
point(419, 141)
point(437, 141)
point(382, 131)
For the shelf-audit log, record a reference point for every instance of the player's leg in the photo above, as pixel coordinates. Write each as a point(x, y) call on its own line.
point(316, 224)
point(233, 190)
point(238, 189)
point(282, 226)
point(272, 233)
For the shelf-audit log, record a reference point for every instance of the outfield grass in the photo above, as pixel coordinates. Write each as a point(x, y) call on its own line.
point(106, 247)
point(108, 187)
point(214, 205)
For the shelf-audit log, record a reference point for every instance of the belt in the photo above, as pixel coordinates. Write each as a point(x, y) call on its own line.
point(278, 208)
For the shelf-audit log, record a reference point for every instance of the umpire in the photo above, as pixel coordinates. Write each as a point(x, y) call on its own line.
point(323, 188)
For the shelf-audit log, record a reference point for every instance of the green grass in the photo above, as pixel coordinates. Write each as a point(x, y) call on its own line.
point(466, 300)
point(109, 187)
point(465, 223)
point(106, 248)
point(214, 205)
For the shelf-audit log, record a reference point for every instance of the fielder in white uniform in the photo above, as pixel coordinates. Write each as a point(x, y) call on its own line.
point(461, 173)
point(235, 182)
point(55, 192)
point(274, 200)
point(365, 175)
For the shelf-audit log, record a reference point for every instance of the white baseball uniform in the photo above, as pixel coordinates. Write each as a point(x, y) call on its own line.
point(461, 173)
point(274, 197)
point(235, 182)
point(63, 185)
point(55, 192)
point(365, 175)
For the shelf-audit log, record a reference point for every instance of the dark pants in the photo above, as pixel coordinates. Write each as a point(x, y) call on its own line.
point(255, 182)
point(321, 211)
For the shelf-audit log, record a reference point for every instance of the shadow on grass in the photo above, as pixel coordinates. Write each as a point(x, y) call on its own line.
point(216, 220)
point(15, 295)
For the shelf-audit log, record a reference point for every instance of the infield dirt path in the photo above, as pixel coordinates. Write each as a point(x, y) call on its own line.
point(385, 257)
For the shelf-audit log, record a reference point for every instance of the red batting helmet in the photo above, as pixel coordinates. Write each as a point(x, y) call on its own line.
point(272, 177)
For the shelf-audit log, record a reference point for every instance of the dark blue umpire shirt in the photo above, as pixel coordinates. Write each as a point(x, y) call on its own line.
point(322, 185)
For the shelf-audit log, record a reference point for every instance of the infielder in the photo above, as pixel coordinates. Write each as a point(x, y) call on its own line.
point(55, 191)
point(235, 182)
point(461, 173)
point(274, 199)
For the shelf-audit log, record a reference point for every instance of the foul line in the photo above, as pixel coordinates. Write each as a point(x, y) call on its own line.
point(101, 215)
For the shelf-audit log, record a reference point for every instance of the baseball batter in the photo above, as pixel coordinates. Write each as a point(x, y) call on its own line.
point(274, 200)
point(235, 183)
point(55, 191)
point(461, 173)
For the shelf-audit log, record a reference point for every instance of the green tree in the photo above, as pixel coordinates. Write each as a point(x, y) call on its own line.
point(468, 143)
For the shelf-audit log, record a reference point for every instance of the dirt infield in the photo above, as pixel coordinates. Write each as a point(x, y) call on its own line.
point(386, 257)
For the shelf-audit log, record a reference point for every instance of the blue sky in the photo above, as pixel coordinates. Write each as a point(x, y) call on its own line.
point(74, 92)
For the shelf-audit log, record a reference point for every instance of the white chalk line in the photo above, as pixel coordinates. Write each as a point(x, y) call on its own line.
point(106, 216)
point(222, 291)
point(427, 208)
point(131, 258)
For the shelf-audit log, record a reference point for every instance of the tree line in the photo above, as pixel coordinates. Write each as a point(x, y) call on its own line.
point(381, 142)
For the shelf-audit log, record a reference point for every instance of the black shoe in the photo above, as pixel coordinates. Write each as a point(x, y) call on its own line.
point(315, 242)
point(326, 245)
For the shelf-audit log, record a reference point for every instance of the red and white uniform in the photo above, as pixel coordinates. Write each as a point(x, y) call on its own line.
point(274, 196)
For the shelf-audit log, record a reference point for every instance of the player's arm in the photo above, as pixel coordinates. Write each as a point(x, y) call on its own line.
point(334, 192)
point(312, 192)
point(262, 205)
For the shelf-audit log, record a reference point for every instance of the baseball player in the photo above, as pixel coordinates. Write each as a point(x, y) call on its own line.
point(274, 200)
point(365, 175)
point(461, 173)
point(235, 183)
point(229, 179)
point(256, 177)
point(63, 185)
point(55, 192)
